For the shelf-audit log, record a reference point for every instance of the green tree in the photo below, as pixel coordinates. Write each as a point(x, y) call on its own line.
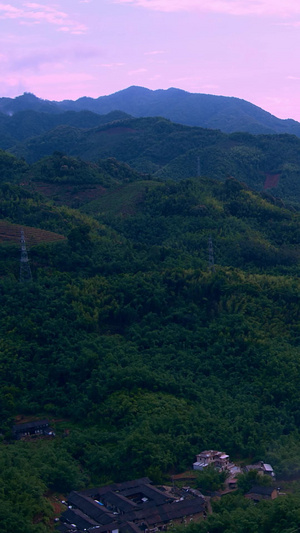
point(211, 479)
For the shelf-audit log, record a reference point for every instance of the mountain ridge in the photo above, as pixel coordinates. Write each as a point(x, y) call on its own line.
point(227, 113)
point(167, 150)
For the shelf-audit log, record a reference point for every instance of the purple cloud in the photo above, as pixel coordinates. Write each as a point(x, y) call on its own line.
point(37, 60)
point(38, 13)
point(232, 7)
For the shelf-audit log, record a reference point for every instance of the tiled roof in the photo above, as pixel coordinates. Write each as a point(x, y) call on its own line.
point(30, 425)
point(261, 489)
point(158, 508)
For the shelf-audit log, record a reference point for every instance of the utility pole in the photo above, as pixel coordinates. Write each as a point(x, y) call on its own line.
point(25, 271)
point(211, 261)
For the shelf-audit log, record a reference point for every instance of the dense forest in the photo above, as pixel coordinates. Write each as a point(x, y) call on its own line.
point(157, 147)
point(140, 347)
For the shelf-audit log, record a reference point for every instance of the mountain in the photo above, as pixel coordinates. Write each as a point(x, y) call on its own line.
point(29, 123)
point(137, 349)
point(166, 150)
point(10, 106)
point(228, 114)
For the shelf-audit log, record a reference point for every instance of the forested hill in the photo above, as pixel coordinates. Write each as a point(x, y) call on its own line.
point(138, 352)
point(25, 124)
point(171, 151)
point(228, 114)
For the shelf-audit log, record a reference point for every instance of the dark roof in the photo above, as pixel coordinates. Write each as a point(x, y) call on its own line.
point(75, 516)
point(256, 466)
point(185, 508)
point(30, 425)
point(116, 487)
point(261, 489)
point(128, 527)
point(182, 508)
point(65, 528)
point(91, 508)
point(149, 491)
point(118, 500)
point(159, 509)
point(123, 527)
point(168, 511)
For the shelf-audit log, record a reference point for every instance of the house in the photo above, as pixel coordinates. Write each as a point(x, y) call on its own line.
point(129, 507)
point(262, 468)
point(36, 428)
point(268, 470)
point(232, 483)
point(219, 460)
point(258, 493)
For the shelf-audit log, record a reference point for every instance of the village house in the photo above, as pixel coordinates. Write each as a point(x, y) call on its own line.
point(130, 507)
point(33, 429)
point(219, 460)
point(262, 468)
point(258, 493)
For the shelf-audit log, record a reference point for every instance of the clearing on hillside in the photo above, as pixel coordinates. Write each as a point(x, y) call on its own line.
point(11, 233)
point(122, 200)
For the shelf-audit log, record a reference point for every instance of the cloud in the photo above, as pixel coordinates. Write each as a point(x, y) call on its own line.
point(209, 86)
point(186, 78)
point(290, 24)
point(111, 65)
point(59, 85)
point(51, 79)
point(38, 13)
point(137, 71)
point(37, 60)
point(285, 8)
point(154, 53)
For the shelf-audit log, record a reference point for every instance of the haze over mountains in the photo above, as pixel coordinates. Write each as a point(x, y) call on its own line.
point(228, 114)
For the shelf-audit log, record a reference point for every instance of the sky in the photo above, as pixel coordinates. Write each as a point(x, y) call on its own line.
point(66, 49)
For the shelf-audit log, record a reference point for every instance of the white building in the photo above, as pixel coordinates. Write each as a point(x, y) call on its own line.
point(219, 460)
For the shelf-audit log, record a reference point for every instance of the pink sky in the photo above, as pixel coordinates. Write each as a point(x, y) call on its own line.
point(73, 48)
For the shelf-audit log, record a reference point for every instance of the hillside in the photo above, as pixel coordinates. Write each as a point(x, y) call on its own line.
point(228, 114)
point(138, 352)
point(28, 123)
point(166, 150)
point(10, 233)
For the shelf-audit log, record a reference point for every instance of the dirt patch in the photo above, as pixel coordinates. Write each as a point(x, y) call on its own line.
point(11, 233)
point(71, 195)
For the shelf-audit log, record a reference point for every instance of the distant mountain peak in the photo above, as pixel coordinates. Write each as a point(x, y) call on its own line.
point(228, 114)
point(29, 97)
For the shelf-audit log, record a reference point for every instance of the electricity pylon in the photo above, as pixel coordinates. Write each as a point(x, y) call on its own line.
point(25, 271)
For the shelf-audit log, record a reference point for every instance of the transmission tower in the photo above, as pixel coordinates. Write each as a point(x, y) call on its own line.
point(25, 271)
point(211, 262)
